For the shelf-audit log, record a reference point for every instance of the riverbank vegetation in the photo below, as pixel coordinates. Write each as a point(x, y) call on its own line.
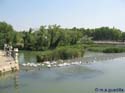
point(52, 36)
point(67, 52)
point(106, 48)
point(55, 40)
point(114, 50)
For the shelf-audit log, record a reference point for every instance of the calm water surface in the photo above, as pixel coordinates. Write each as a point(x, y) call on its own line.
point(104, 71)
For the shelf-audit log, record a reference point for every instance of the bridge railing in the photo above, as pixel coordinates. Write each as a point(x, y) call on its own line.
point(11, 52)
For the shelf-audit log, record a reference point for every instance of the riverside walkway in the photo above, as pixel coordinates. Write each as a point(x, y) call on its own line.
point(7, 63)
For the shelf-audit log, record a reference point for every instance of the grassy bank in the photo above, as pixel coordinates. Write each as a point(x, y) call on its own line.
point(106, 48)
point(114, 50)
point(65, 52)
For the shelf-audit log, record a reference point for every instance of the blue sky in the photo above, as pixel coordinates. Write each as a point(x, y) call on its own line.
point(23, 14)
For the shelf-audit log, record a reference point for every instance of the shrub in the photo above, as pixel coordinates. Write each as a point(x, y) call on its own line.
point(63, 53)
point(114, 50)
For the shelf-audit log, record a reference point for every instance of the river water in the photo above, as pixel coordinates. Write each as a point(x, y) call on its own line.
point(100, 71)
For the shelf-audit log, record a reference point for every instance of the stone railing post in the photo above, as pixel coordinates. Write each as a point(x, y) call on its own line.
point(16, 54)
point(5, 49)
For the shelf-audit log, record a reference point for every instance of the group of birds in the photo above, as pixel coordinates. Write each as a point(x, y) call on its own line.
point(51, 64)
point(62, 63)
point(31, 64)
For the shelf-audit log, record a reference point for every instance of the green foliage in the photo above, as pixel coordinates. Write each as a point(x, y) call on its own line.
point(50, 37)
point(18, 40)
point(5, 28)
point(114, 50)
point(42, 39)
point(85, 40)
point(123, 36)
point(96, 49)
point(55, 42)
point(6, 33)
point(54, 36)
point(64, 53)
point(109, 48)
point(29, 40)
point(106, 33)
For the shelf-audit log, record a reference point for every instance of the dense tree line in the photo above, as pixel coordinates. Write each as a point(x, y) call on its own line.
point(52, 36)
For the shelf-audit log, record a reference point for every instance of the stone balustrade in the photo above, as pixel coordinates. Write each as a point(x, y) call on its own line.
point(9, 60)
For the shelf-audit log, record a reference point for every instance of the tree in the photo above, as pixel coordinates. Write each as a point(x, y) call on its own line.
point(106, 33)
point(55, 35)
point(29, 40)
point(6, 31)
point(123, 36)
point(18, 40)
point(85, 40)
point(42, 38)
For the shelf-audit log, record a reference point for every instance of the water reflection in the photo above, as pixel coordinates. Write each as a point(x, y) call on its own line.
point(27, 56)
point(9, 81)
point(16, 82)
point(76, 72)
point(101, 57)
